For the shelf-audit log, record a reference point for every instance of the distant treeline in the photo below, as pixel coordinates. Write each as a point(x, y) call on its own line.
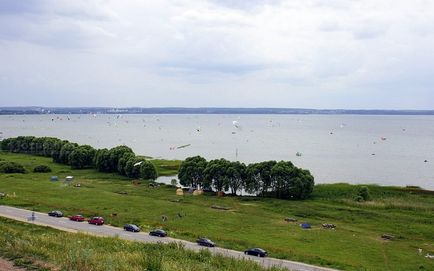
point(203, 110)
point(120, 159)
point(270, 178)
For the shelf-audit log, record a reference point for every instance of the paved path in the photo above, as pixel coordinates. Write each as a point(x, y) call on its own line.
point(67, 225)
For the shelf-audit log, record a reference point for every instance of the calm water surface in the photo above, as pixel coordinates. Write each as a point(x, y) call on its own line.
point(388, 150)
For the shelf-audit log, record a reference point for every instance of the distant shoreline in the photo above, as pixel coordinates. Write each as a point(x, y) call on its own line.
point(204, 110)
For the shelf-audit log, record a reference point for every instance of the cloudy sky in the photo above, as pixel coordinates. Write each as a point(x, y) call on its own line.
point(228, 53)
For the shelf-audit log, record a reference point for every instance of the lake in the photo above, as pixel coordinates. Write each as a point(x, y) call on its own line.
point(387, 150)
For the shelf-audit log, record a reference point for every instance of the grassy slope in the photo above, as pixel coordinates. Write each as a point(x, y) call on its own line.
point(166, 167)
point(354, 245)
point(25, 243)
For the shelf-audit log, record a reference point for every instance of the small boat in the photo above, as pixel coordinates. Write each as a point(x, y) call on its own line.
point(298, 154)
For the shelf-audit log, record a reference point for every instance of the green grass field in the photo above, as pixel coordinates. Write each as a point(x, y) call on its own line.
point(356, 244)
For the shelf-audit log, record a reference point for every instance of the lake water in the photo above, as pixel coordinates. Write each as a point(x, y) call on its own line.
point(388, 150)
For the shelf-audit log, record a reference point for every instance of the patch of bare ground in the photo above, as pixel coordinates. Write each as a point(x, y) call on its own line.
point(6, 265)
point(22, 264)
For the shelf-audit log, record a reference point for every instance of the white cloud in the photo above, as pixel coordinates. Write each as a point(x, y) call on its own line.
point(197, 53)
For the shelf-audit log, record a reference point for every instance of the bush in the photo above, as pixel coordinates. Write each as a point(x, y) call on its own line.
point(362, 194)
point(42, 169)
point(148, 171)
point(11, 167)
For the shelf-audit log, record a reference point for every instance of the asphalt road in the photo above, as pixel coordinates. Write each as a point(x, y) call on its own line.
point(67, 225)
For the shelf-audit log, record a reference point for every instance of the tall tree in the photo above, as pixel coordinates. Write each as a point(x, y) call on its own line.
point(290, 182)
point(102, 160)
point(191, 171)
point(132, 167)
point(66, 151)
point(123, 162)
point(215, 174)
point(82, 157)
point(236, 175)
point(258, 180)
point(115, 154)
point(148, 171)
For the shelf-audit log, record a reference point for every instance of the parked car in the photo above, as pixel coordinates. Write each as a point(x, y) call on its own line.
point(55, 213)
point(97, 220)
point(78, 218)
point(131, 227)
point(256, 252)
point(158, 232)
point(205, 242)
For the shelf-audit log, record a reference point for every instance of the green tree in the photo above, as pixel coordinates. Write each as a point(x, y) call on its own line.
point(115, 154)
point(148, 171)
point(236, 176)
point(82, 157)
point(258, 180)
point(290, 182)
point(102, 160)
point(215, 174)
point(132, 167)
point(48, 146)
point(56, 148)
point(5, 144)
point(65, 151)
point(123, 162)
point(37, 146)
point(191, 171)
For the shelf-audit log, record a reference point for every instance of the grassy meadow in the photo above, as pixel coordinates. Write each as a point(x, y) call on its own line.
point(356, 243)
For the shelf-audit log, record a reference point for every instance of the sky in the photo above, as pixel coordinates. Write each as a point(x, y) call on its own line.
point(349, 54)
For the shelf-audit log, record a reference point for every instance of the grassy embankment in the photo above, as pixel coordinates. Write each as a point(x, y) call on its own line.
point(356, 244)
point(37, 247)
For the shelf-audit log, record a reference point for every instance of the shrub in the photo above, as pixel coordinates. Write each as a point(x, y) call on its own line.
point(42, 169)
point(11, 167)
point(148, 171)
point(363, 194)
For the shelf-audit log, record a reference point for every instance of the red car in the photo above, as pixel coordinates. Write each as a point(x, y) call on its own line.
point(78, 218)
point(97, 220)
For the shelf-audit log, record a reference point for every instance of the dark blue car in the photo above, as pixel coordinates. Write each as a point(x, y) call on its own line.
point(131, 227)
point(205, 242)
point(158, 232)
point(56, 213)
point(256, 252)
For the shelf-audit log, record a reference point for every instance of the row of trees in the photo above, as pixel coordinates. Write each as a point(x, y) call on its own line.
point(270, 178)
point(119, 159)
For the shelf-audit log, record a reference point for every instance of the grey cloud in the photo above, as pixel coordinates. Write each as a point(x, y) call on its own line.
point(202, 52)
